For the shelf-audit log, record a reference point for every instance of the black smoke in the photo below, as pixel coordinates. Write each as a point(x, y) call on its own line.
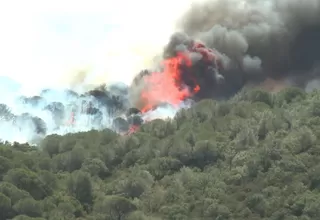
point(255, 39)
point(258, 39)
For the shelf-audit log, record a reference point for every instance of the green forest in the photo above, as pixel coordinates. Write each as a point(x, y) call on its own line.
point(254, 156)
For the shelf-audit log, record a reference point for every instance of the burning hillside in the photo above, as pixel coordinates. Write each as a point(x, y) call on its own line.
point(222, 46)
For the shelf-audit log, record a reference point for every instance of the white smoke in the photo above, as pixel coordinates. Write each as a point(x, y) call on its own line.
point(15, 127)
point(24, 129)
point(75, 44)
point(166, 111)
point(80, 44)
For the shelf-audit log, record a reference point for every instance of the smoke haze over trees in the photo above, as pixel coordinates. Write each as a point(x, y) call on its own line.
point(247, 154)
point(255, 156)
point(272, 44)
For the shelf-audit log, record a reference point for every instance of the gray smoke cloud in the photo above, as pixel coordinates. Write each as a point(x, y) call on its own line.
point(276, 42)
point(264, 38)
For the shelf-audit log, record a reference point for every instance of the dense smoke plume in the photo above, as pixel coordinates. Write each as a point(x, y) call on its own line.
point(266, 43)
point(264, 38)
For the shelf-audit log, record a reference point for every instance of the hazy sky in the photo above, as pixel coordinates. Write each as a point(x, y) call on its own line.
point(44, 41)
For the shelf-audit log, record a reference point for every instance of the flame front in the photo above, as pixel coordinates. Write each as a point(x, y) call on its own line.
point(167, 86)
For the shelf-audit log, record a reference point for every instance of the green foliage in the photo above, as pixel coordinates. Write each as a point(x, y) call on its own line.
point(255, 156)
point(29, 207)
point(15, 194)
point(25, 217)
point(79, 185)
point(28, 181)
point(114, 207)
point(5, 165)
point(5, 206)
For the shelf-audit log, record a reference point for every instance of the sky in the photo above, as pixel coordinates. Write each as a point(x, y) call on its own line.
point(45, 43)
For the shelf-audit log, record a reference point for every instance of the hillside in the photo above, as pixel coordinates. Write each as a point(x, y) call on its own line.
point(253, 157)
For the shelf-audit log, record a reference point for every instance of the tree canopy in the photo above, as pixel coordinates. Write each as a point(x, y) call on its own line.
point(255, 156)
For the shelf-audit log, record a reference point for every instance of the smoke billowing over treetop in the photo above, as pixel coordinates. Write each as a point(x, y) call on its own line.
point(271, 42)
point(269, 38)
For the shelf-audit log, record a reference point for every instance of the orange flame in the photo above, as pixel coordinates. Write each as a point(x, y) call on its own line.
point(167, 86)
point(133, 129)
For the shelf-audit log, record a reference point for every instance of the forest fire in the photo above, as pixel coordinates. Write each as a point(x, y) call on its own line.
point(177, 81)
point(185, 74)
point(167, 85)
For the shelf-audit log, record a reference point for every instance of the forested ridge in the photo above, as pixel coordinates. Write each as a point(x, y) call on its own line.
point(255, 156)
